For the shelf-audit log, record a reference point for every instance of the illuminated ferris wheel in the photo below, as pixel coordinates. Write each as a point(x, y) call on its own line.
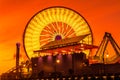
point(54, 23)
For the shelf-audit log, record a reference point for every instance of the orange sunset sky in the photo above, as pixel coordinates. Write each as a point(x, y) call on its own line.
point(102, 16)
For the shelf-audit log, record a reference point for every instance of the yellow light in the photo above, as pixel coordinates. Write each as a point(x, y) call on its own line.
point(24, 65)
point(107, 55)
point(57, 61)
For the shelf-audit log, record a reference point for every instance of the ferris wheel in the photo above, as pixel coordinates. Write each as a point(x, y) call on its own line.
point(54, 23)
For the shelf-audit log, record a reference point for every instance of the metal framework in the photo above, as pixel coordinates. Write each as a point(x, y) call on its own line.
point(101, 50)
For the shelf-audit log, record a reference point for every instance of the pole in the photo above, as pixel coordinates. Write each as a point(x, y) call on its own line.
point(17, 59)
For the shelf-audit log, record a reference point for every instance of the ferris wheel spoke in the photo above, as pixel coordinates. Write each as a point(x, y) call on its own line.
point(54, 29)
point(71, 35)
point(77, 22)
point(65, 29)
point(67, 26)
point(57, 24)
point(68, 32)
point(62, 28)
point(41, 17)
point(47, 39)
point(42, 44)
point(48, 31)
point(46, 35)
point(40, 21)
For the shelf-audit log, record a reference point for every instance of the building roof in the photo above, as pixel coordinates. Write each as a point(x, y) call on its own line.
point(66, 45)
point(67, 41)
